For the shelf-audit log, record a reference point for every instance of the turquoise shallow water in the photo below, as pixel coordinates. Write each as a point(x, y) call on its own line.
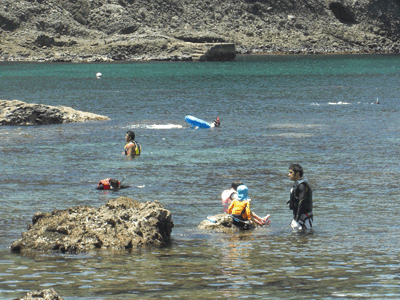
point(319, 111)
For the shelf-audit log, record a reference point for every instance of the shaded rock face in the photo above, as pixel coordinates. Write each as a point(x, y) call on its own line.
point(222, 52)
point(342, 13)
point(16, 112)
point(48, 294)
point(122, 223)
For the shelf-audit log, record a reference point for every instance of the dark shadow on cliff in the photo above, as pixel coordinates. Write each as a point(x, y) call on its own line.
point(342, 13)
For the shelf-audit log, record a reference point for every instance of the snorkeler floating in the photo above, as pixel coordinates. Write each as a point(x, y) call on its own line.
point(110, 184)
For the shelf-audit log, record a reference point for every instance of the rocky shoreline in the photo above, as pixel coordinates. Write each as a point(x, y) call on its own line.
point(85, 31)
point(219, 223)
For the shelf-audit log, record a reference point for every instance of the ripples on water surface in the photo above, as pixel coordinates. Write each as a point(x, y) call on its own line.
point(318, 111)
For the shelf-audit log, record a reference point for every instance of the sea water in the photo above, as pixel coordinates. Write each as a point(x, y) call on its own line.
point(319, 111)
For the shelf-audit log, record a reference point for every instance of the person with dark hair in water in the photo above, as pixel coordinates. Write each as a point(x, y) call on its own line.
point(132, 147)
point(300, 201)
point(110, 184)
point(216, 123)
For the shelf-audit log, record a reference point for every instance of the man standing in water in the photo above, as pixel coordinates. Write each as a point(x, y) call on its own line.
point(132, 147)
point(300, 199)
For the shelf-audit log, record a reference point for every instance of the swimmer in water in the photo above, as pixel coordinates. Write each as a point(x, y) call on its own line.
point(216, 123)
point(110, 184)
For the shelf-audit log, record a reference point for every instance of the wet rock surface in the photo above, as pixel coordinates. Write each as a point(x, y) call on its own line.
point(126, 30)
point(16, 112)
point(121, 223)
point(220, 223)
point(47, 294)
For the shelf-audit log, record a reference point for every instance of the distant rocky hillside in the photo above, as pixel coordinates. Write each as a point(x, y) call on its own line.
point(108, 30)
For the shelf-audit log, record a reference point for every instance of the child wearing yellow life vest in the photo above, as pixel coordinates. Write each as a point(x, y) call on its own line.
point(241, 213)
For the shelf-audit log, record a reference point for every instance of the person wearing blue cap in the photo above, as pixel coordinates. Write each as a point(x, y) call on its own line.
point(241, 213)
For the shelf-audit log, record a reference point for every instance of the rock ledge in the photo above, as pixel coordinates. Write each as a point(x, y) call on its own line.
point(48, 294)
point(219, 223)
point(16, 112)
point(121, 223)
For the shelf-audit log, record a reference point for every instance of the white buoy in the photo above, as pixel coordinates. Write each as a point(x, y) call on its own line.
point(377, 101)
point(98, 74)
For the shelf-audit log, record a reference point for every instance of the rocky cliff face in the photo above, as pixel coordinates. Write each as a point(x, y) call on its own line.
point(107, 30)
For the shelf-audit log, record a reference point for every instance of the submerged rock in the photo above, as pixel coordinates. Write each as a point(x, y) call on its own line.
point(48, 294)
point(16, 112)
point(121, 223)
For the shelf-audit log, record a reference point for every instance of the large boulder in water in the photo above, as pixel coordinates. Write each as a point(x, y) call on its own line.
point(47, 294)
point(16, 112)
point(121, 223)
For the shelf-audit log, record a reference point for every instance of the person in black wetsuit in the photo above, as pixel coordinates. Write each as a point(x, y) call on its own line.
point(300, 199)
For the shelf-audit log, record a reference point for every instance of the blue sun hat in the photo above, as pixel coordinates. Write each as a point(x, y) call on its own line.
point(242, 192)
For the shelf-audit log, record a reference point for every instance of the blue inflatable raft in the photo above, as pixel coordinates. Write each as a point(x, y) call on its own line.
point(197, 122)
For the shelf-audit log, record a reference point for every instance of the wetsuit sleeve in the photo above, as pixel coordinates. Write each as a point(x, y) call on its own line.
point(301, 194)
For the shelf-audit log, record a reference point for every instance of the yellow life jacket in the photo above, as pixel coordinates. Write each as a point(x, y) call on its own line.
point(138, 148)
point(240, 208)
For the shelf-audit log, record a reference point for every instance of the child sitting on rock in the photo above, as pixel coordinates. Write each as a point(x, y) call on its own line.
point(241, 213)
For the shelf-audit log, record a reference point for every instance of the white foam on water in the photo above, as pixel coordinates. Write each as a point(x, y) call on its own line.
point(338, 103)
point(168, 126)
point(155, 126)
